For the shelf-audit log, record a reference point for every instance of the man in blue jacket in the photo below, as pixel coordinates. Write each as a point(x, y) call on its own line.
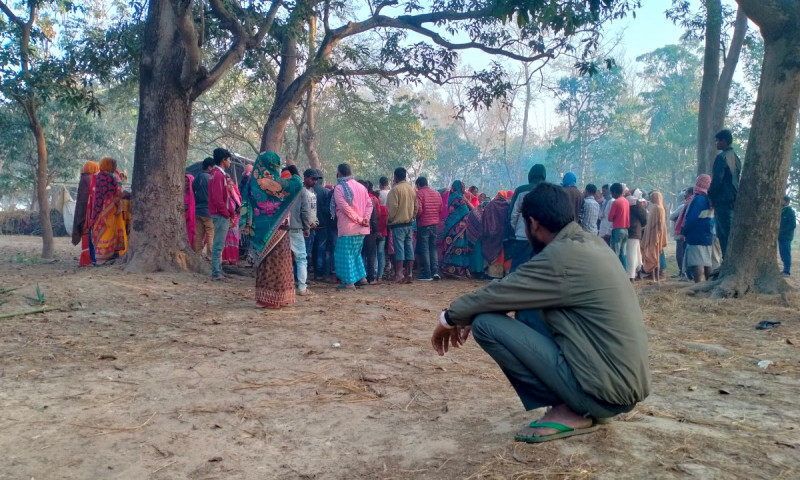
point(786, 235)
point(698, 231)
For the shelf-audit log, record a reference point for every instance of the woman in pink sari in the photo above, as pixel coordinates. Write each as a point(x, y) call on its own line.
point(230, 254)
point(188, 208)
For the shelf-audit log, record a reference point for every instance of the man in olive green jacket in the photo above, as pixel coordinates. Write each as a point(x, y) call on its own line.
point(578, 342)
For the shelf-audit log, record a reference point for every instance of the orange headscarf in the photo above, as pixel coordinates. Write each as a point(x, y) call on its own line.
point(108, 164)
point(90, 167)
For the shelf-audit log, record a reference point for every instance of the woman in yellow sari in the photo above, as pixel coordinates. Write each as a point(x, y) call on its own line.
point(108, 228)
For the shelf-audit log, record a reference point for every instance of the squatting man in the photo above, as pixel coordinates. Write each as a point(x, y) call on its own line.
point(576, 345)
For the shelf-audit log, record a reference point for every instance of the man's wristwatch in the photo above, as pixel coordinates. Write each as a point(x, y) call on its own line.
point(444, 319)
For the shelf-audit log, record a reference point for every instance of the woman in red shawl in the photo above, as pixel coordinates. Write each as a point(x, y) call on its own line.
point(80, 226)
point(494, 218)
point(108, 228)
point(188, 207)
point(230, 254)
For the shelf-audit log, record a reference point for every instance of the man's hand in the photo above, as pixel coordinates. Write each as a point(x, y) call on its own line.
point(306, 233)
point(443, 337)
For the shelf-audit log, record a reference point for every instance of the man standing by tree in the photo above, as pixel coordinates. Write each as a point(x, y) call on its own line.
point(560, 350)
point(218, 209)
point(402, 205)
point(204, 226)
point(786, 235)
point(724, 186)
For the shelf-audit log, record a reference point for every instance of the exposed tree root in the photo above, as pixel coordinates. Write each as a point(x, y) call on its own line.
point(149, 260)
point(737, 285)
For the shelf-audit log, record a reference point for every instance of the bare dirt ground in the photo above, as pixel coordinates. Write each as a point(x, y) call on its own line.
point(171, 376)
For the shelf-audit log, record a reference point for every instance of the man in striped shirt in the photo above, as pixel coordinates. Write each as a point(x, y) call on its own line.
point(590, 211)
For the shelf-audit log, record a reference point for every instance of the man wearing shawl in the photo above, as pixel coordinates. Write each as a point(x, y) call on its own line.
point(108, 227)
point(698, 230)
point(456, 250)
point(516, 245)
point(654, 240)
point(269, 202)
point(80, 226)
point(724, 186)
point(577, 348)
point(569, 182)
point(352, 206)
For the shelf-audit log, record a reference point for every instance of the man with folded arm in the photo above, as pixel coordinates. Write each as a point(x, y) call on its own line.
point(576, 345)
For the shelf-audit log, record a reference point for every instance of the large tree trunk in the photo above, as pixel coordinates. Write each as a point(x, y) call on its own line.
point(750, 263)
point(158, 235)
point(708, 88)
point(309, 133)
point(41, 185)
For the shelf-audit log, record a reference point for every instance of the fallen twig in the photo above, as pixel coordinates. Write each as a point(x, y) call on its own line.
point(117, 429)
point(27, 312)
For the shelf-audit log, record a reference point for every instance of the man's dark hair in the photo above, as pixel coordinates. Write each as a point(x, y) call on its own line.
point(220, 154)
point(400, 174)
point(369, 186)
point(344, 170)
point(787, 198)
point(208, 162)
point(605, 186)
point(383, 181)
point(616, 189)
point(549, 205)
point(422, 182)
point(293, 170)
point(724, 135)
point(473, 189)
point(591, 188)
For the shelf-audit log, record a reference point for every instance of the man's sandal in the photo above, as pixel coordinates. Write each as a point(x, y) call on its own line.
point(563, 432)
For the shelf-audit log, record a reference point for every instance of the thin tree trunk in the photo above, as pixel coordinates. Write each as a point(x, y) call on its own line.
point(708, 88)
point(522, 144)
point(41, 185)
point(750, 263)
point(726, 77)
point(158, 235)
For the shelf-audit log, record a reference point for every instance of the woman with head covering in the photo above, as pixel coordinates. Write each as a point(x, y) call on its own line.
point(474, 238)
point(80, 226)
point(654, 239)
point(188, 208)
point(698, 230)
point(638, 220)
point(494, 216)
point(270, 199)
point(455, 245)
point(230, 254)
point(108, 228)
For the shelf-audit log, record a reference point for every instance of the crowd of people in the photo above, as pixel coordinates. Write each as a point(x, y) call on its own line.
point(353, 234)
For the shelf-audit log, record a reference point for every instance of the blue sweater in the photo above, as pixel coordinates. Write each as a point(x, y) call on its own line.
point(698, 228)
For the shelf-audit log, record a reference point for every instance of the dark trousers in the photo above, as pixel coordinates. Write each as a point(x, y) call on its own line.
point(429, 257)
point(680, 250)
point(525, 350)
point(785, 249)
point(310, 249)
point(369, 252)
point(619, 241)
point(319, 253)
point(723, 218)
point(520, 252)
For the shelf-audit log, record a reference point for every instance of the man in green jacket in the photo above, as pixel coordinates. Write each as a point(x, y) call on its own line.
point(576, 344)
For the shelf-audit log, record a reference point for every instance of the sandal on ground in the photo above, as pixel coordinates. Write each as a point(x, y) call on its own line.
point(563, 432)
point(343, 286)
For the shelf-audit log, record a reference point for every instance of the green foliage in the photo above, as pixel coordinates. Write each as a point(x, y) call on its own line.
point(374, 135)
point(39, 299)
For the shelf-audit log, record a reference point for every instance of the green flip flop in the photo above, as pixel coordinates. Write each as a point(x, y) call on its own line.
point(563, 432)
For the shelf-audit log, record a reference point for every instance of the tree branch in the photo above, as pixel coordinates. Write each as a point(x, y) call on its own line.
point(368, 71)
point(242, 41)
point(188, 33)
point(10, 14)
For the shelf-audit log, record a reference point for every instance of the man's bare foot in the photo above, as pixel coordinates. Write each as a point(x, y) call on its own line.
point(558, 414)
